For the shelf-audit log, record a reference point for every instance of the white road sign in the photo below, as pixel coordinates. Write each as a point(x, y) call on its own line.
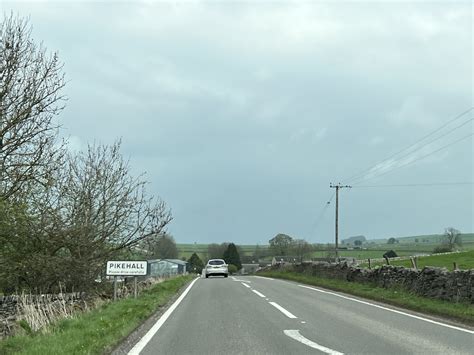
point(126, 268)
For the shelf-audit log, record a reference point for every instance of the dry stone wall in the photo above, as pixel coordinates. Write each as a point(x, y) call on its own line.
point(432, 282)
point(53, 307)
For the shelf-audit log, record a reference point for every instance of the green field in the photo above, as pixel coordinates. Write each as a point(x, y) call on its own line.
point(465, 261)
point(361, 254)
point(373, 249)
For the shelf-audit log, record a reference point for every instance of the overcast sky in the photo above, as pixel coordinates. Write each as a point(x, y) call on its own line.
point(243, 113)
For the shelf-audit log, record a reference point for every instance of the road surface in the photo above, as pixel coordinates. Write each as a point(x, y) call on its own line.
point(254, 315)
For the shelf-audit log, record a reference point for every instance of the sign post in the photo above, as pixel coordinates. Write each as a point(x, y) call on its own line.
point(135, 286)
point(115, 288)
point(126, 268)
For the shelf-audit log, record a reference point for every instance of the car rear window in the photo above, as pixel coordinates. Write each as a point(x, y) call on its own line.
point(216, 262)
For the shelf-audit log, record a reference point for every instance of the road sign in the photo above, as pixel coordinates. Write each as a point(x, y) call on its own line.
point(126, 268)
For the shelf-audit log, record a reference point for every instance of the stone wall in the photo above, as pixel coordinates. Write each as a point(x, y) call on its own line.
point(455, 286)
point(54, 307)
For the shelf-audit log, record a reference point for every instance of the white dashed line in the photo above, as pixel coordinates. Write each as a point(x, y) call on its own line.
point(245, 285)
point(263, 277)
point(282, 310)
point(295, 334)
point(259, 294)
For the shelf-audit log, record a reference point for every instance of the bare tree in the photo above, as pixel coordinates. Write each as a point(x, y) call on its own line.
point(301, 248)
point(105, 199)
point(94, 210)
point(452, 237)
point(30, 97)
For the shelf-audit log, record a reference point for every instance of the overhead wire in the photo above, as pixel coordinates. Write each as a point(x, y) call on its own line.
point(426, 155)
point(363, 173)
point(322, 213)
point(416, 147)
point(462, 183)
point(410, 153)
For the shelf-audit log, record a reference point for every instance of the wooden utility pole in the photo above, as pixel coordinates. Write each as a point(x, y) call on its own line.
point(337, 187)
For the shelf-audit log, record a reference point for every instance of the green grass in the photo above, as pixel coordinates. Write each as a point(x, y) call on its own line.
point(465, 261)
point(360, 253)
point(459, 311)
point(98, 331)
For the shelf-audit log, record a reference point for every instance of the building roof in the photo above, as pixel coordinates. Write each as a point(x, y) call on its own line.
point(177, 261)
point(173, 261)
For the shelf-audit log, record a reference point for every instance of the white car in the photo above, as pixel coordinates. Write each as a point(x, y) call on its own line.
point(216, 267)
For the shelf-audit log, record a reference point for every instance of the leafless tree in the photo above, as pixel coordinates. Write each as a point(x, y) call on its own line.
point(30, 97)
point(106, 202)
point(301, 248)
point(452, 237)
point(94, 209)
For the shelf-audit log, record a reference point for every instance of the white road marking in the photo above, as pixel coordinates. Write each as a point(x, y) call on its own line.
point(263, 277)
point(245, 285)
point(236, 279)
point(391, 310)
point(303, 322)
point(282, 310)
point(258, 293)
point(147, 337)
point(295, 334)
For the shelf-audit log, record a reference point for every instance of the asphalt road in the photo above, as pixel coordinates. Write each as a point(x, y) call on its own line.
point(253, 315)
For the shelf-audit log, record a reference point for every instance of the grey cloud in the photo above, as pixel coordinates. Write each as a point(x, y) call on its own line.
point(243, 113)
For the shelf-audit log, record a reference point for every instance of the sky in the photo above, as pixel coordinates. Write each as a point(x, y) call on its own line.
point(243, 113)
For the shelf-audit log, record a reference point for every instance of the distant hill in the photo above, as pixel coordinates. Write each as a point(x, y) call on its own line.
point(426, 238)
point(352, 240)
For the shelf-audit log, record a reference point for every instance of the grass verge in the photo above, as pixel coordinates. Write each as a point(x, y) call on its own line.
point(97, 331)
point(461, 312)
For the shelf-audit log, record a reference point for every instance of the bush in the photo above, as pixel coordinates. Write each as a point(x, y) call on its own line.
point(232, 269)
point(390, 254)
point(442, 249)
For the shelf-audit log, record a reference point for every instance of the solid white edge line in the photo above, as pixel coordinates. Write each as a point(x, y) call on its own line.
point(258, 293)
point(147, 337)
point(391, 310)
point(282, 310)
point(295, 334)
point(246, 285)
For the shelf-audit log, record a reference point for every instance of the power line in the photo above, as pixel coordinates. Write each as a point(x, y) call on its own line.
point(322, 212)
point(416, 185)
point(380, 166)
point(363, 173)
point(425, 156)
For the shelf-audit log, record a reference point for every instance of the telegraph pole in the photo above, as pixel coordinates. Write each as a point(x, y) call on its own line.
point(337, 187)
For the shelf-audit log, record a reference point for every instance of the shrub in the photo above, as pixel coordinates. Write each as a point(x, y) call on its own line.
point(390, 254)
point(442, 249)
point(232, 269)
